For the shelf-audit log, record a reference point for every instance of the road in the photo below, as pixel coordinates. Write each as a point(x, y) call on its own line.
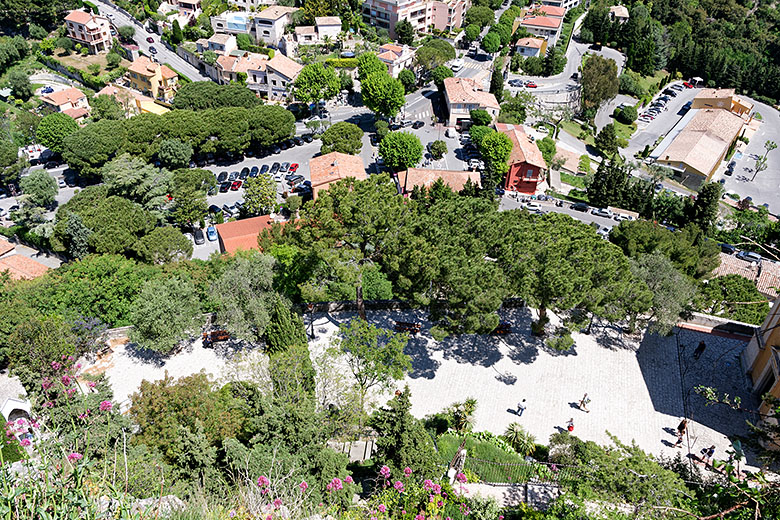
point(507, 203)
point(164, 55)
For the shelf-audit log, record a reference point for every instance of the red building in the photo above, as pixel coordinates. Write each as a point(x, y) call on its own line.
point(526, 164)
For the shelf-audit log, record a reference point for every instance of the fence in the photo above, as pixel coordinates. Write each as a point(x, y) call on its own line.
point(501, 473)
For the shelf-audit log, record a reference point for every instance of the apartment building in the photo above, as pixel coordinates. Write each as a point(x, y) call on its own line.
point(271, 22)
point(153, 79)
point(90, 30)
point(443, 15)
point(280, 72)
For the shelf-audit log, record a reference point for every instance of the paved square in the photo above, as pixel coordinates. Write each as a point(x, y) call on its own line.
point(636, 384)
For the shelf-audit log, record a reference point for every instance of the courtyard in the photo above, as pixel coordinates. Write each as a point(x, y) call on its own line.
point(636, 385)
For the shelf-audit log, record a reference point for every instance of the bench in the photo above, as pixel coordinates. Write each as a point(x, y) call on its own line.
point(406, 326)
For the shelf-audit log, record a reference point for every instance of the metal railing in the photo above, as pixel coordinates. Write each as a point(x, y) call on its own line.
point(503, 473)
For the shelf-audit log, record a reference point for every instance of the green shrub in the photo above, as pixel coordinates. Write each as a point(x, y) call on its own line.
point(342, 63)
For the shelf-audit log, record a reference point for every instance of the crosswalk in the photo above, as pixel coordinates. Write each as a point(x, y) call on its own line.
point(419, 115)
point(472, 65)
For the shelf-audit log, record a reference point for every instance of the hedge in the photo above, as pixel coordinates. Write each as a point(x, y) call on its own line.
point(342, 63)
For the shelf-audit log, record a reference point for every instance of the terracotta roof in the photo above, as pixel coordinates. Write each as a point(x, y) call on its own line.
point(532, 43)
point(619, 11)
point(333, 167)
point(388, 56)
point(144, 66)
point(523, 149)
point(327, 20)
point(167, 73)
point(548, 10)
point(285, 66)
point(455, 179)
point(22, 268)
point(465, 90)
point(730, 264)
point(5, 246)
point(768, 281)
point(275, 12)
point(571, 159)
point(542, 21)
point(242, 234)
point(704, 140)
point(76, 113)
point(392, 48)
point(60, 97)
point(79, 16)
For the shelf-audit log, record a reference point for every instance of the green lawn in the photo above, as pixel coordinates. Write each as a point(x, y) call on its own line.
point(648, 82)
point(574, 129)
point(573, 180)
point(624, 131)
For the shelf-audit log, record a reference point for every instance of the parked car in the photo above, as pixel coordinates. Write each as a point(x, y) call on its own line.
point(749, 256)
point(224, 187)
point(244, 174)
point(227, 210)
point(293, 167)
point(275, 168)
point(308, 138)
point(211, 233)
point(530, 84)
point(580, 206)
point(285, 167)
point(254, 171)
point(602, 212)
point(149, 30)
point(47, 90)
point(730, 168)
point(298, 141)
point(214, 209)
point(678, 87)
point(727, 248)
point(150, 39)
point(295, 179)
point(233, 176)
point(620, 217)
point(200, 238)
point(687, 85)
point(533, 206)
point(222, 177)
point(235, 186)
point(152, 49)
point(264, 169)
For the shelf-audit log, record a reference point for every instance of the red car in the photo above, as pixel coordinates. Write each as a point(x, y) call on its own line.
point(150, 39)
point(293, 167)
point(687, 85)
point(530, 84)
point(235, 185)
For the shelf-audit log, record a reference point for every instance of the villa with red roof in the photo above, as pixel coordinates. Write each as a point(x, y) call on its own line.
point(396, 57)
point(90, 30)
point(70, 101)
point(544, 26)
point(463, 95)
point(526, 164)
point(527, 47)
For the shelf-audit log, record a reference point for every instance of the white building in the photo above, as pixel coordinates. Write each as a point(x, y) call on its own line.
point(90, 30)
point(396, 57)
point(271, 22)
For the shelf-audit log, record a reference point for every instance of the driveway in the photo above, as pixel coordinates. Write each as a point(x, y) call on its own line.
point(604, 115)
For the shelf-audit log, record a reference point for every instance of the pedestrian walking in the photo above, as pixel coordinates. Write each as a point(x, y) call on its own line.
point(681, 429)
point(570, 425)
point(520, 408)
point(699, 350)
point(707, 454)
point(584, 403)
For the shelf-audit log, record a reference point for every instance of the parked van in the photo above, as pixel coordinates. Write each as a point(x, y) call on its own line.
point(456, 65)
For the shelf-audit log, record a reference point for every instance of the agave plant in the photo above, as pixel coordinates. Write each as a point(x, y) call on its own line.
point(523, 442)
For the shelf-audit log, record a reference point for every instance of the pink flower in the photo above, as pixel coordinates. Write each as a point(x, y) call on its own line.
point(70, 392)
point(460, 477)
point(407, 471)
point(91, 384)
point(73, 457)
point(428, 484)
point(262, 481)
point(70, 358)
point(55, 365)
point(78, 366)
point(269, 517)
point(399, 486)
point(105, 406)
point(441, 504)
point(348, 480)
point(35, 425)
point(382, 508)
point(385, 472)
point(278, 503)
point(437, 489)
point(25, 442)
point(66, 380)
point(20, 422)
point(48, 404)
point(46, 384)
point(419, 517)
point(334, 484)
point(303, 486)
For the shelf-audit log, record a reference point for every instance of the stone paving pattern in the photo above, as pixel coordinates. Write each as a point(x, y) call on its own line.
point(634, 382)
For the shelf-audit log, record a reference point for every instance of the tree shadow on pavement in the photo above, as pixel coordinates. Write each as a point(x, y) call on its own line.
point(423, 365)
point(612, 337)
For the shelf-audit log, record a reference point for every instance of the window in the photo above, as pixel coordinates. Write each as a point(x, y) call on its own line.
point(529, 174)
point(273, 82)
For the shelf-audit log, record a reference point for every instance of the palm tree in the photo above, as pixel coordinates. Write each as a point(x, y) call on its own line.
point(523, 442)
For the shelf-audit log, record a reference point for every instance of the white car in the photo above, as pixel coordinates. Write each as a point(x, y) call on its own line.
point(533, 206)
point(620, 217)
point(602, 212)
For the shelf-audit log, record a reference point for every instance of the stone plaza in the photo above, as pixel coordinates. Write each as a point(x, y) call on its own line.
point(639, 385)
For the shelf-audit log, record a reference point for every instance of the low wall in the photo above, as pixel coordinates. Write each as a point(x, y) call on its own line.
point(722, 325)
